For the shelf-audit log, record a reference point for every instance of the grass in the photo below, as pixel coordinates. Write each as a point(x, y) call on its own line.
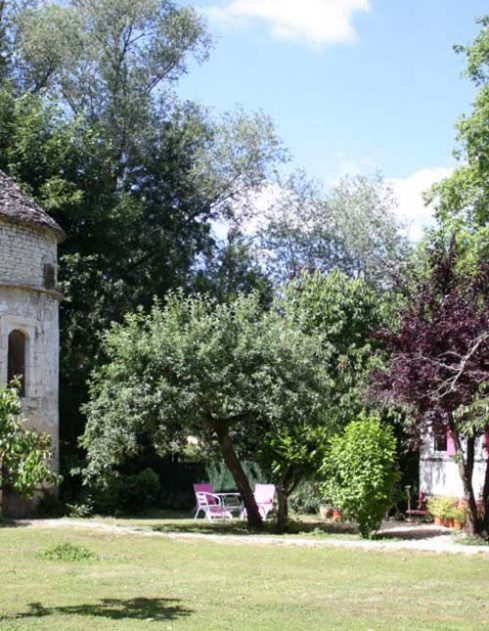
point(165, 521)
point(135, 582)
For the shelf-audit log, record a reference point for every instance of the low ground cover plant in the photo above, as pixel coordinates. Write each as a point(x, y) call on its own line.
point(68, 552)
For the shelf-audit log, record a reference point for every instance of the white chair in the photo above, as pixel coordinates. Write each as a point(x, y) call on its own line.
point(211, 505)
point(264, 496)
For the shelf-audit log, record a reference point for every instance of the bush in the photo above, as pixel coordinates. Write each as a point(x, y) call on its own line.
point(362, 472)
point(50, 506)
point(126, 493)
point(68, 552)
point(138, 491)
point(441, 507)
point(307, 498)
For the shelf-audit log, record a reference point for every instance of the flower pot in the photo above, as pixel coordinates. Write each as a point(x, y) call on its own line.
point(438, 521)
point(449, 522)
point(458, 525)
point(337, 515)
point(325, 512)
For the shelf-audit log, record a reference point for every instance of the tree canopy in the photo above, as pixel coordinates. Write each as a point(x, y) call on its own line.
point(228, 373)
point(353, 229)
point(439, 365)
point(91, 126)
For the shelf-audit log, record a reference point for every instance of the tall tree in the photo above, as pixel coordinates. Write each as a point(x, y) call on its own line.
point(225, 373)
point(353, 229)
point(462, 200)
point(91, 126)
point(440, 365)
point(342, 313)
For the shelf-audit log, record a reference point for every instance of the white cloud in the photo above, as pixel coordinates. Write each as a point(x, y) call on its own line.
point(314, 22)
point(409, 191)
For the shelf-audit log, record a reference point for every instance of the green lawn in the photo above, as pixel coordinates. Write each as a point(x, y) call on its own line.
point(157, 583)
point(170, 521)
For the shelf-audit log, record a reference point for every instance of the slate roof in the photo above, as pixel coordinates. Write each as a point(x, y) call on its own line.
point(18, 207)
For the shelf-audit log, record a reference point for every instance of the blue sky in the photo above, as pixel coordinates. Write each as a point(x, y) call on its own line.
point(352, 85)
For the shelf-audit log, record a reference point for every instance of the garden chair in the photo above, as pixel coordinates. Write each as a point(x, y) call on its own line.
point(209, 503)
point(420, 510)
point(264, 496)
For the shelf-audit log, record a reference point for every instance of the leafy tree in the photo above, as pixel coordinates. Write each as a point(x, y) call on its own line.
point(24, 454)
point(231, 269)
point(90, 125)
point(105, 58)
point(353, 229)
point(362, 472)
point(291, 453)
point(342, 313)
point(225, 373)
point(462, 200)
point(440, 364)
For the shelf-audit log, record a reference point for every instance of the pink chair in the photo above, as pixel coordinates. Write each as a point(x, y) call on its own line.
point(209, 503)
point(264, 495)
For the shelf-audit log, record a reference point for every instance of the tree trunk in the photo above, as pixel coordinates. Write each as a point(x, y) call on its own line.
point(283, 508)
point(234, 465)
point(466, 469)
point(485, 492)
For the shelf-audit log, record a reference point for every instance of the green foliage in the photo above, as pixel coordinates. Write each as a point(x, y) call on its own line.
point(124, 494)
point(353, 229)
point(138, 491)
point(193, 366)
point(308, 497)
point(24, 454)
point(293, 451)
point(226, 373)
point(362, 472)
point(444, 507)
point(91, 127)
point(222, 480)
point(462, 200)
point(68, 552)
point(342, 312)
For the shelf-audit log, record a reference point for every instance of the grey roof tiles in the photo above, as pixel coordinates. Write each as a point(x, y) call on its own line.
point(18, 207)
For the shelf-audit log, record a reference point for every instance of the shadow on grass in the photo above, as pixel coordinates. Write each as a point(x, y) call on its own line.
point(150, 609)
point(203, 526)
point(5, 522)
point(416, 533)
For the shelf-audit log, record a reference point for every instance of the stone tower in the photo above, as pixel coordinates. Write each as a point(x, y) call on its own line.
point(29, 303)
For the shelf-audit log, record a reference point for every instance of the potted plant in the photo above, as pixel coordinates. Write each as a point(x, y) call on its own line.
point(325, 511)
point(337, 514)
point(458, 515)
point(434, 508)
point(441, 508)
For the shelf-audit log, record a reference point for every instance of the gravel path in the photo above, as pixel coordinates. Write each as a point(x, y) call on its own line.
point(422, 538)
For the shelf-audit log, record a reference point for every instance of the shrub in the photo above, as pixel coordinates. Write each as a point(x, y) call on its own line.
point(50, 506)
point(68, 552)
point(307, 498)
point(362, 472)
point(442, 507)
point(126, 493)
point(138, 491)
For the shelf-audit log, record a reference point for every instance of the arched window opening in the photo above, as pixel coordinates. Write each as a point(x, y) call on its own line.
point(16, 359)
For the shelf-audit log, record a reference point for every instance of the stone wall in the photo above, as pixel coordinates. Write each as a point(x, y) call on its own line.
point(24, 251)
point(27, 305)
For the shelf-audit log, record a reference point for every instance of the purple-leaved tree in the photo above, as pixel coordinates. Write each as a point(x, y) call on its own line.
point(439, 367)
